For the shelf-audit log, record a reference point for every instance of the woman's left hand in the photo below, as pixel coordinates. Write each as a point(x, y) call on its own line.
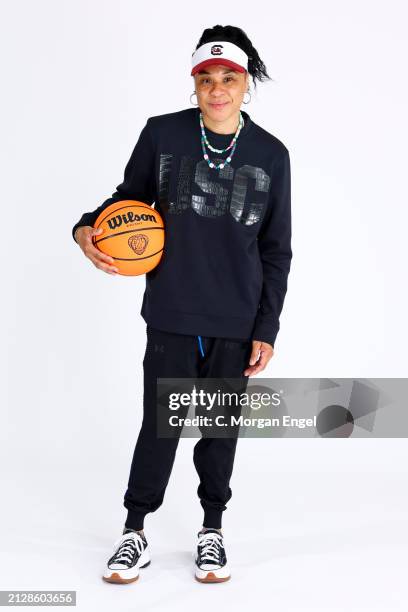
point(260, 356)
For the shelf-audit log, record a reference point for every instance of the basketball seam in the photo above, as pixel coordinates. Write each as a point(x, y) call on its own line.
point(135, 258)
point(127, 232)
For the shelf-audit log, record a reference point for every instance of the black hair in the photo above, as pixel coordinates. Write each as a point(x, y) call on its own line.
point(229, 33)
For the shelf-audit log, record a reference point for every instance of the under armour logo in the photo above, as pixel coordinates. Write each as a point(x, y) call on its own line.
point(159, 348)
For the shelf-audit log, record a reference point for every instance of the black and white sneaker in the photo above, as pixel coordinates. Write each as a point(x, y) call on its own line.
point(131, 552)
point(210, 558)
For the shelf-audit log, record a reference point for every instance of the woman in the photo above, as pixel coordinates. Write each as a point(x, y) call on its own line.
point(212, 305)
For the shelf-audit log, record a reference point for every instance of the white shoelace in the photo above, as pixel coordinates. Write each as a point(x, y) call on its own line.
point(127, 548)
point(210, 546)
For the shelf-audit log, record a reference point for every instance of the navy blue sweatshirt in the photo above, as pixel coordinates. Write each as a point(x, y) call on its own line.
point(227, 251)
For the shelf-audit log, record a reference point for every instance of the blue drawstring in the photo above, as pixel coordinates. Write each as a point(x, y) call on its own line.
point(201, 345)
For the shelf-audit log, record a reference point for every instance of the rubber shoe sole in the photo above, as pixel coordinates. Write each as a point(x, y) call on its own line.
point(211, 576)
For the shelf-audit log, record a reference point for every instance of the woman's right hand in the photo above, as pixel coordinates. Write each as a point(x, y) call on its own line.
point(83, 236)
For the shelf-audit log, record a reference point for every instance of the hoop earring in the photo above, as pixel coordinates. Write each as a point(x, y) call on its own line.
point(250, 97)
point(191, 101)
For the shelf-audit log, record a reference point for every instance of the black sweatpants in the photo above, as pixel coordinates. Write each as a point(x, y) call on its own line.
point(171, 355)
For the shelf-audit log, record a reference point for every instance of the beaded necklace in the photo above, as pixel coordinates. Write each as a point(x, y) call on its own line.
point(232, 145)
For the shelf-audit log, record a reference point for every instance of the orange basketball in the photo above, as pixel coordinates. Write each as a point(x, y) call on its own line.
point(133, 235)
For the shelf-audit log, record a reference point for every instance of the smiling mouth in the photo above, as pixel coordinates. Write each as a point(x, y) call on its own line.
point(218, 103)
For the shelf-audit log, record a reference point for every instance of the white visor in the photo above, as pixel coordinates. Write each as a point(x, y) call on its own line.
point(219, 52)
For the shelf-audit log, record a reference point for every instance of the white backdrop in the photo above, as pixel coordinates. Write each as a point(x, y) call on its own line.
point(79, 79)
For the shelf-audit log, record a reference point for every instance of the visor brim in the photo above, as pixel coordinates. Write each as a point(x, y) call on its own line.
point(214, 61)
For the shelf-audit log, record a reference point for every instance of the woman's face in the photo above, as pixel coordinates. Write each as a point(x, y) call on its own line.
point(220, 91)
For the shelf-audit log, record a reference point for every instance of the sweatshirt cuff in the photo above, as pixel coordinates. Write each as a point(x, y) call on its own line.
point(265, 333)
